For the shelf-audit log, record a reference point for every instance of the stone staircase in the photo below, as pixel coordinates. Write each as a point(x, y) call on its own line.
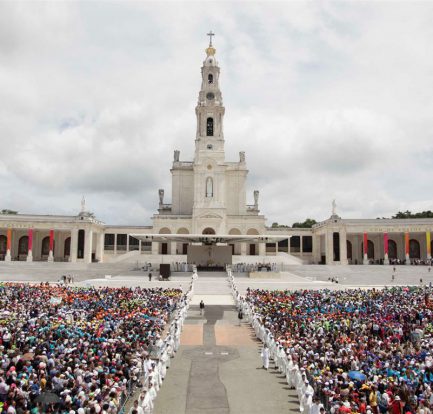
point(213, 288)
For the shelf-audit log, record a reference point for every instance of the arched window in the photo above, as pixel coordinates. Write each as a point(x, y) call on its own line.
point(209, 127)
point(23, 245)
point(209, 187)
point(210, 78)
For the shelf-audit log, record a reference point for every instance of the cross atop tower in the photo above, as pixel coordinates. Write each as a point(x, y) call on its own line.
point(210, 34)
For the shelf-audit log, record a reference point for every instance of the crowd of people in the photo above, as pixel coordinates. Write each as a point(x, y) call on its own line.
point(359, 351)
point(82, 350)
point(396, 261)
point(254, 267)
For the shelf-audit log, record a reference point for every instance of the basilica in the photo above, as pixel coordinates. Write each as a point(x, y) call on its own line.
point(208, 220)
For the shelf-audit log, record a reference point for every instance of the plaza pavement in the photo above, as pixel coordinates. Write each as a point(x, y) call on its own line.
point(217, 370)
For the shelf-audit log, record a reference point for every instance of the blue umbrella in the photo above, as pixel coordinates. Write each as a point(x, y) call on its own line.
point(357, 375)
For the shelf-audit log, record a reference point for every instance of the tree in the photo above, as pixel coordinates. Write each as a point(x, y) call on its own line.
point(275, 225)
point(7, 211)
point(307, 224)
point(409, 215)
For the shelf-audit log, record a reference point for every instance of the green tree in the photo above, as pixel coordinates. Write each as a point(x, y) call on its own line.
point(307, 224)
point(7, 211)
point(409, 215)
point(275, 225)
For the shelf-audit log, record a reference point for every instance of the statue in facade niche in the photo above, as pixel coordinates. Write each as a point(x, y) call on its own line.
point(176, 155)
point(256, 198)
point(242, 156)
point(161, 196)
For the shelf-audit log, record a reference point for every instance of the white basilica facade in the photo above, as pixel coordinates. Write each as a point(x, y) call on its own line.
point(209, 206)
point(209, 193)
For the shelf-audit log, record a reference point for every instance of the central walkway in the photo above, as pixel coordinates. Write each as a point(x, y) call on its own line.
point(217, 369)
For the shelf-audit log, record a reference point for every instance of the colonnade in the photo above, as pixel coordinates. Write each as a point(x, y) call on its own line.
point(339, 246)
point(41, 244)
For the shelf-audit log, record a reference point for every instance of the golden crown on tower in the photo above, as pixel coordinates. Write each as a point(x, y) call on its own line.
point(210, 51)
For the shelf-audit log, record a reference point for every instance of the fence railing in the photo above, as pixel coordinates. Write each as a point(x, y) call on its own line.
point(128, 393)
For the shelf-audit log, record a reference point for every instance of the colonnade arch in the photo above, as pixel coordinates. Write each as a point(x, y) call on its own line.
point(349, 249)
point(370, 249)
point(3, 245)
point(392, 249)
point(414, 249)
point(23, 245)
point(45, 246)
point(67, 251)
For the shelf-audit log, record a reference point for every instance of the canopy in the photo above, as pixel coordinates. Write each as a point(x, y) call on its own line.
point(210, 238)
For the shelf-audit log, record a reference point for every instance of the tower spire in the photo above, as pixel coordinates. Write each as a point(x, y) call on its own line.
point(210, 50)
point(210, 34)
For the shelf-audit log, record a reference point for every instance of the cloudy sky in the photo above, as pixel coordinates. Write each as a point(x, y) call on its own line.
point(329, 100)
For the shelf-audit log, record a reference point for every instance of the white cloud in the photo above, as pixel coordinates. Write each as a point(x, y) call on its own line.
point(329, 100)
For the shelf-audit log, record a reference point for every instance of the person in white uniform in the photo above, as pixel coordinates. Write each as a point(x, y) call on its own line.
point(265, 357)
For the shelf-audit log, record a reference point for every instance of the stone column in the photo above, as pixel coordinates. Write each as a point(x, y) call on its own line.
point(428, 242)
point(406, 248)
point(50, 254)
point(316, 249)
point(385, 249)
point(139, 245)
point(276, 248)
point(343, 247)
point(173, 247)
point(115, 244)
point(301, 248)
point(30, 245)
point(288, 245)
point(262, 249)
point(127, 243)
point(243, 249)
point(329, 248)
point(100, 247)
point(365, 247)
point(155, 248)
point(74, 246)
point(88, 246)
point(8, 256)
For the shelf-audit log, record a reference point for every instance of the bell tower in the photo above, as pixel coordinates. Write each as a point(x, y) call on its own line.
point(209, 206)
point(210, 110)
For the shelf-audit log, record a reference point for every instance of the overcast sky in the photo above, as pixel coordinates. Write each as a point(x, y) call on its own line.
point(329, 100)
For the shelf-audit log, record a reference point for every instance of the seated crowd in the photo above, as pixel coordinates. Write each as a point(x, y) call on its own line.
point(80, 348)
point(360, 351)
